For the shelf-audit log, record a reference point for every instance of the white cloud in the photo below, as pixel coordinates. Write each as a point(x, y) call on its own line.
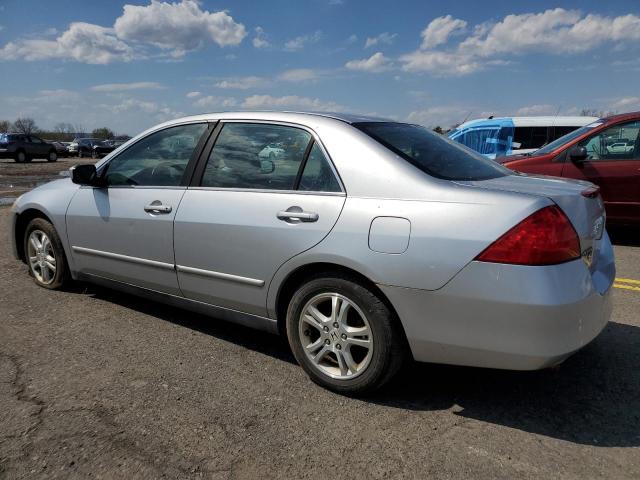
point(440, 29)
point(215, 102)
point(353, 38)
point(298, 75)
point(122, 87)
point(384, 38)
point(260, 40)
point(193, 94)
point(262, 102)
point(173, 27)
point(440, 63)
point(626, 103)
point(375, 63)
point(83, 42)
point(443, 116)
point(241, 83)
point(298, 43)
point(538, 109)
point(179, 27)
point(554, 31)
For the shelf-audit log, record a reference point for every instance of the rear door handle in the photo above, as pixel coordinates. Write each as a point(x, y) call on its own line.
point(157, 207)
point(296, 214)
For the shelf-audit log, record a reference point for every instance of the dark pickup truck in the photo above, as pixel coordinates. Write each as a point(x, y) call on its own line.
point(24, 148)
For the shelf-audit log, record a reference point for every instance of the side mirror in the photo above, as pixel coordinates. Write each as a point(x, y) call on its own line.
point(577, 154)
point(84, 174)
point(267, 166)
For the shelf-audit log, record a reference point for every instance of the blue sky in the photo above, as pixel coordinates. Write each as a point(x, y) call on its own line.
point(131, 64)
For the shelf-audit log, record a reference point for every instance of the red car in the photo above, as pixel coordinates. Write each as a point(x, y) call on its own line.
point(605, 152)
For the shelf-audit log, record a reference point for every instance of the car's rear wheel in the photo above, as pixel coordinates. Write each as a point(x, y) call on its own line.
point(45, 255)
point(343, 335)
point(79, 153)
point(21, 156)
point(52, 157)
point(94, 154)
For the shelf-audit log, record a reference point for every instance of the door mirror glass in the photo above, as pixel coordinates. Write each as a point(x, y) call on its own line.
point(267, 166)
point(84, 174)
point(577, 154)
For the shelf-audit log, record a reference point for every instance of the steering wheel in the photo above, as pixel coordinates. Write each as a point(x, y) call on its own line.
point(167, 169)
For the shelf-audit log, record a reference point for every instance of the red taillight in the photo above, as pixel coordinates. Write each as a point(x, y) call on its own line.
point(545, 237)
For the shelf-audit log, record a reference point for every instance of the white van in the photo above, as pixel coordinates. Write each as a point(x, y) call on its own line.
point(499, 137)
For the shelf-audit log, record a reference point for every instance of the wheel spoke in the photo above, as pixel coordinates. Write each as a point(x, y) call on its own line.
point(34, 241)
point(342, 363)
point(320, 355)
point(360, 342)
point(316, 315)
point(45, 242)
point(349, 361)
point(49, 266)
point(313, 347)
point(51, 259)
point(33, 261)
point(45, 274)
point(342, 313)
point(336, 302)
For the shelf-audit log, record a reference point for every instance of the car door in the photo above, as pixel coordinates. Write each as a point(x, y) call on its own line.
point(614, 169)
point(248, 213)
point(124, 230)
point(38, 146)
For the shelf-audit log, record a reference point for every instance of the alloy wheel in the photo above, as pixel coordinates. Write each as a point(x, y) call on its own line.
point(336, 336)
point(42, 258)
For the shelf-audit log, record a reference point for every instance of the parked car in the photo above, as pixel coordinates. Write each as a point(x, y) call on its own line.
point(379, 241)
point(101, 149)
point(271, 151)
point(24, 148)
point(504, 136)
point(593, 153)
point(62, 148)
point(83, 147)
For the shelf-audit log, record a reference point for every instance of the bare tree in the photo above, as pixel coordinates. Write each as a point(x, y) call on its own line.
point(103, 133)
point(25, 125)
point(592, 112)
point(5, 125)
point(64, 131)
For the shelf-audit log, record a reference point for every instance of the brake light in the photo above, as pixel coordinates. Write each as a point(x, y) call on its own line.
point(545, 237)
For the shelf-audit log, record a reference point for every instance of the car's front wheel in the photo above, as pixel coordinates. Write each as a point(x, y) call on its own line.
point(45, 255)
point(52, 157)
point(343, 335)
point(21, 156)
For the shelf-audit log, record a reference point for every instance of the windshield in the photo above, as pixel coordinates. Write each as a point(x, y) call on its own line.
point(433, 153)
point(550, 147)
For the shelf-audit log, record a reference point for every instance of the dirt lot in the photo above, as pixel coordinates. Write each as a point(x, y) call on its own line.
point(95, 383)
point(17, 178)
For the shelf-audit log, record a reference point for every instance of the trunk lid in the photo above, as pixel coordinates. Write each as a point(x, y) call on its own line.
point(586, 213)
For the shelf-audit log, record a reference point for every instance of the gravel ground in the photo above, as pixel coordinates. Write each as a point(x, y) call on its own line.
point(97, 384)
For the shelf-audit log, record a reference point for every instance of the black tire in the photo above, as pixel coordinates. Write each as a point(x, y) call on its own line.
point(94, 154)
point(53, 156)
point(21, 156)
point(389, 343)
point(62, 278)
point(79, 153)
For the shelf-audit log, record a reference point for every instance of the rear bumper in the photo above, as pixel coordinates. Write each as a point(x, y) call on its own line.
point(508, 316)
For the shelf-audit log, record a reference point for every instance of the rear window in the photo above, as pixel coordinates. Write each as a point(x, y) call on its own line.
point(433, 153)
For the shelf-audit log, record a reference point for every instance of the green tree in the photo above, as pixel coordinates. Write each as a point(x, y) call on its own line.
point(103, 133)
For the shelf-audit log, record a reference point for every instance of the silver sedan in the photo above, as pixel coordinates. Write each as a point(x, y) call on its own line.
point(366, 242)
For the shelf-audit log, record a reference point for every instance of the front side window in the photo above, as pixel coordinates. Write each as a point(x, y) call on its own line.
point(159, 159)
point(256, 156)
point(35, 140)
point(619, 142)
point(434, 154)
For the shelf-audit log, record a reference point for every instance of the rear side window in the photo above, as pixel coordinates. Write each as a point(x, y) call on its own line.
point(530, 137)
point(256, 156)
point(432, 153)
point(318, 175)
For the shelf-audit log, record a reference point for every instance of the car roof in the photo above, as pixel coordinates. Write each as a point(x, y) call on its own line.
point(291, 116)
point(539, 121)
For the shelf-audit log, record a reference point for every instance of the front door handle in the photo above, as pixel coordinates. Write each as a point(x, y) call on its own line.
point(296, 214)
point(157, 207)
